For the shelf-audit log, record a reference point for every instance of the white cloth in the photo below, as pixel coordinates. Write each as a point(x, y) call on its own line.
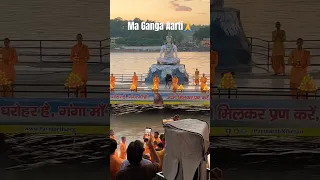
point(187, 141)
point(126, 163)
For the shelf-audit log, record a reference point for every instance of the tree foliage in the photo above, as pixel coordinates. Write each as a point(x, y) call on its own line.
point(203, 32)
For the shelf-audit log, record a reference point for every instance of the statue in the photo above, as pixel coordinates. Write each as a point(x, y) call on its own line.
point(217, 3)
point(170, 53)
point(229, 38)
point(169, 63)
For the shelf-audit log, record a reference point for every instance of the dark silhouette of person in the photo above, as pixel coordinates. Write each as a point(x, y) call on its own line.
point(168, 81)
point(157, 99)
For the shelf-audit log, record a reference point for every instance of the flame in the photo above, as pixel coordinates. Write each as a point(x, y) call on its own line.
point(133, 87)
point(73, 81)
point(180, 88)
point(307, 84)
point(227, 82)
point(4, 81)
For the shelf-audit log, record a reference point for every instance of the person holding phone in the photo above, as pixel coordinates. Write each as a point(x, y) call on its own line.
point(135, 170)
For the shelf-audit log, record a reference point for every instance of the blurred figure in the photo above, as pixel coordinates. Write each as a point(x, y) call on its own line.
point(136, 171)
point(112, 83)
point(196, 77)
point(160, 153)
point(146, 157)
point(8, 59)
point(156, 81)
point(299, 59)
point(176, 117)
point(203, 81)
point(134, 85)
point(157, 99)
point(112, 136)
point(175, 82)
point(79, 56)
point(160, 147)
point(168, 81)
point(162, 138)
point(214, 60)
point(156, 137)
point(123, 148)
point(216, 174)
point(115, 161)
point(278, 50)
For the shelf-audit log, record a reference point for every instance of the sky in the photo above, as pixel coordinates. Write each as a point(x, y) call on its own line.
point(194, 11)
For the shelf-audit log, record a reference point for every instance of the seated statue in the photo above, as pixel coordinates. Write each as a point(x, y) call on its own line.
point(170, 53)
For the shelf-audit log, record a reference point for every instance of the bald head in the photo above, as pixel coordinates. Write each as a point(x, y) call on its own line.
point(6, 42)
point(299, 43)
point(278, 25)
point(79, 38)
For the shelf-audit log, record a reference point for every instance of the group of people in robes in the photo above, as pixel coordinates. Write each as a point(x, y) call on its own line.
point(299, 59)
point(141, 156)
point(8, 59)
point(202, 81)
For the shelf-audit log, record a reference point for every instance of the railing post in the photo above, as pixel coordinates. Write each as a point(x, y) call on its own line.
point(100, 51)
point(268, 60)
point(40, 51)
point(251, 46)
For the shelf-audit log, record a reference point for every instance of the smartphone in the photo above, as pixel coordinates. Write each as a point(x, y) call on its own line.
point(147, 134)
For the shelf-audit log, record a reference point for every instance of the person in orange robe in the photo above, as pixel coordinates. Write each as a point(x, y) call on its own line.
point(134, 85)
point(115, 161)
point(161, 153)
point(278, 50)
point(147, 149)
point(79, 56)
point(112, 82)
point(123, 148)
point(203, 81)
point(8, 58)
point(112, 136)
point(214, 59)
point(299, 59)
point(156, 139)
point(175, 82)
point(196, 77)
point(156, 81)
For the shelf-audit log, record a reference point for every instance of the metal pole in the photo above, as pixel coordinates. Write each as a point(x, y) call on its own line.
point(268, 63)
point(251, 46)
point(40, 51)
point(100, 51)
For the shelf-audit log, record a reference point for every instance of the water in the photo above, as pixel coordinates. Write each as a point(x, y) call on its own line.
point(32, 156)
point(139, 117)
point(45, 19)
point(54, 20)
point(46, 156)
point(139, 62)
point(297, 17)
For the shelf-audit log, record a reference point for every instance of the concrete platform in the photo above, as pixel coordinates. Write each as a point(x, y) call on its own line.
point(125, 86)
point(54, 73)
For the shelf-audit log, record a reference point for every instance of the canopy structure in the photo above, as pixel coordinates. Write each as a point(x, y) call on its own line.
point(187, 144)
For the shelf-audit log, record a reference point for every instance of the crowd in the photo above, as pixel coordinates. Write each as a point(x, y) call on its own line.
point(140, 160)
